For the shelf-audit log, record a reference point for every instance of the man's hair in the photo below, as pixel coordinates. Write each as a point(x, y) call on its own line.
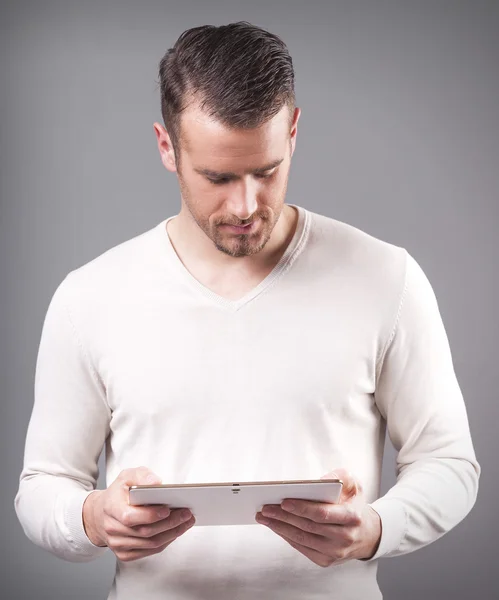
point(240, 74)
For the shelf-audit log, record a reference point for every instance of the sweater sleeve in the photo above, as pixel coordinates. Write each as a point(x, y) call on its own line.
point(66, 433)
point(418, 394)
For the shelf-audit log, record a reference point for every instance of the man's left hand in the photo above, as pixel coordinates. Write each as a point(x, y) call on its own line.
point(328, 534)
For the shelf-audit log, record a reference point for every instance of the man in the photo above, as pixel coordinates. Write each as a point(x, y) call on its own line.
point(243, 339)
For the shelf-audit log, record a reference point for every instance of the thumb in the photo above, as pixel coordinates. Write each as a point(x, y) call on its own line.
point(351, 486)
point(139, 476)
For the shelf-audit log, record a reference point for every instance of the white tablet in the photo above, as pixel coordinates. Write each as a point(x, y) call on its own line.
point(233, 503)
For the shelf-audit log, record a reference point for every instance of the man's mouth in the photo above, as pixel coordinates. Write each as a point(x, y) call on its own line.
point(240, 229)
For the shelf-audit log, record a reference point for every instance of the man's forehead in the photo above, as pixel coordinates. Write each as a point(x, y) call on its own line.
point(203, 133)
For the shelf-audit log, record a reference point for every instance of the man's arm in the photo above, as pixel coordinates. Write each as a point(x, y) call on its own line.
point(418, 394)
point(66, 433)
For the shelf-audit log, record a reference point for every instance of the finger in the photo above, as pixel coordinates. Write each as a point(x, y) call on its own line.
point(131, 516)
point(317, 557)
point(321, 512)
point(116, 528)
point(351, 485)
point(339, 533)
point(298, 536)
point(176, 518)
point(138, 476)
point(127, 544)
point(132, 555)
point(136, 515)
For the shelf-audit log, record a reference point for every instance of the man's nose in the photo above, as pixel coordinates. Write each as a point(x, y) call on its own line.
point(242, 202)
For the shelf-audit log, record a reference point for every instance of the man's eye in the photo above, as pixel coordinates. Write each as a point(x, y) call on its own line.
point(224, 180)
point(265, 175)
point(218, 181)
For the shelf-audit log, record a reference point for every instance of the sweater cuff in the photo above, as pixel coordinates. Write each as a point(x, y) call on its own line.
point(393, 526)
point(74, 529)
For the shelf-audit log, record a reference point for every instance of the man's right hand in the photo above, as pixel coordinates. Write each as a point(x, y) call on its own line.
point(132, 532)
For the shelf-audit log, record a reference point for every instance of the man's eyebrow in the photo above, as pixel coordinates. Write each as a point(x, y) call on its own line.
point(231, 175)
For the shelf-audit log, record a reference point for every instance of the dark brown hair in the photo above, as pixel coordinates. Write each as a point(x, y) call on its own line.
point(240, 74)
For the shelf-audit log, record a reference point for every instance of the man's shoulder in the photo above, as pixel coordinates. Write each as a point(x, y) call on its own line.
point(347, 244)
point(118, 266)
point(363, 270)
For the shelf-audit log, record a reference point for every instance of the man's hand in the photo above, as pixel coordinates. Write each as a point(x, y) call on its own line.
point(132, 532)
point(328, 534)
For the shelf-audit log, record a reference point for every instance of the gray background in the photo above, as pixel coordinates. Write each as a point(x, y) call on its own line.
point(399, 136)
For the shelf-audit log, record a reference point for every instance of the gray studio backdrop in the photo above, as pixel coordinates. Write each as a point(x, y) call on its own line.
point(399, 136)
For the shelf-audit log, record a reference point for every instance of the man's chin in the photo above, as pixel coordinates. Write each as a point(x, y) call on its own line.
point(238, 249)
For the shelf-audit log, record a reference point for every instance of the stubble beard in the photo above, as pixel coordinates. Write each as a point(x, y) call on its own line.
point(245, 244)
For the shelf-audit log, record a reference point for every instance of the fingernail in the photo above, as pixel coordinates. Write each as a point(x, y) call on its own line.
point(261, 519)
point(164, 512)
point(185, 515)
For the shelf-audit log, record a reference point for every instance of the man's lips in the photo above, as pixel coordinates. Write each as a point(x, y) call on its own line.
point(238, 229)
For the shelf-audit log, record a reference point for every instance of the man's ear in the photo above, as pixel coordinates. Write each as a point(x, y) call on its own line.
point(294, 128)
point(165, 147)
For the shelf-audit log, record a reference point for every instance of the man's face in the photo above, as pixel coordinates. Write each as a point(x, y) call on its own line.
point(233, 181)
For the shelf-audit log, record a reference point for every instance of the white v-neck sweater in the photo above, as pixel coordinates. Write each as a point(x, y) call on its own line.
point(300, 376)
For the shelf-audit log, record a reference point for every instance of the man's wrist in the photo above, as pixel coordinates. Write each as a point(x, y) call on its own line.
point(375, 528)
point(88, 512)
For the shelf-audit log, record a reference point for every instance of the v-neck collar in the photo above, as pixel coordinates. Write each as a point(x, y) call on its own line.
point(292, 251)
